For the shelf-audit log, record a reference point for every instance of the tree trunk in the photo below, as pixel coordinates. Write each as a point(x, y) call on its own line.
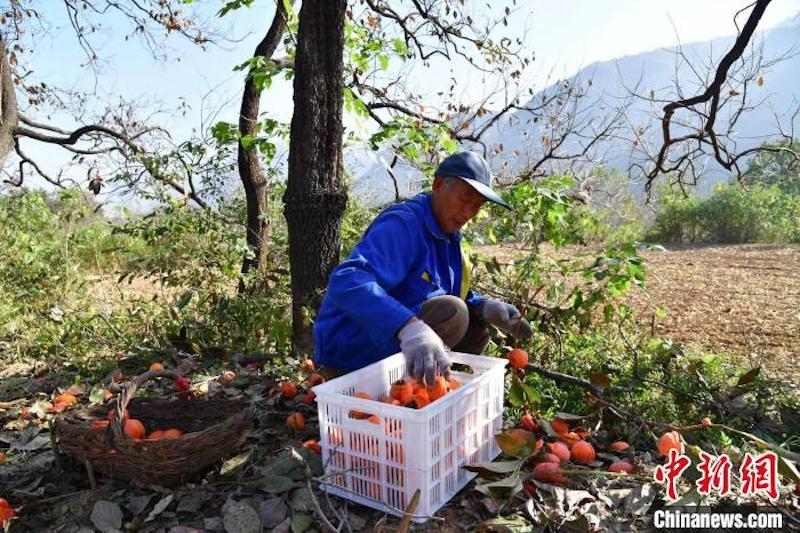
point(9, 114)
point(250, 171)
point(315, 197)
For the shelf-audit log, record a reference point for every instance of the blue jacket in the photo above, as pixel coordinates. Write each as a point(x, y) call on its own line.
point(403, 259)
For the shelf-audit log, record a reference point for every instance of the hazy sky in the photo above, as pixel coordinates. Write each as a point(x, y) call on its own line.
point(565, 36)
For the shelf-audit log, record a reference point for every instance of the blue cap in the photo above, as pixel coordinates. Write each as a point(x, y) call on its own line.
point(472, 168)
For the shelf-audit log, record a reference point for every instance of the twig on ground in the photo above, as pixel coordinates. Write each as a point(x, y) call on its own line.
point(90, 474)
point(309, 477)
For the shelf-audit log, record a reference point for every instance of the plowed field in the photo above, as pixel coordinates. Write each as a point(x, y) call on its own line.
point(739, 299)
point(744, 299)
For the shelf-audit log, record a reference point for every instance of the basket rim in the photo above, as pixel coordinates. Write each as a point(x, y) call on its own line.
point(330, 391)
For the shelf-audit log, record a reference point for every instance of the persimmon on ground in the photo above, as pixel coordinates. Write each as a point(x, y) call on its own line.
point(156, 366)
point(288, 389)
point(621, 466)
point(548, 473)
point(570, 438)
point(99, 424)
point(296, 421)
point(307, 398)
point(560, 450)
point(6, 512)
point(528, 423)
point(156, 434)
point(518, 358)
point(668, 441)
point(559, 426)
point(583, 452)
point(313, 445)
point(619, 446)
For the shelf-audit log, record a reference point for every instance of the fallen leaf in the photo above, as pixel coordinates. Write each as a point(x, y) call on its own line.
point(107, 516)
point(159, 508)
point(301, 522)
point(276, 484)
point(234, 463)
point(239, 517)
point(272, 512)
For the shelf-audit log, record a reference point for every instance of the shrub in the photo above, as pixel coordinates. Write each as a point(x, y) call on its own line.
point(730, 215)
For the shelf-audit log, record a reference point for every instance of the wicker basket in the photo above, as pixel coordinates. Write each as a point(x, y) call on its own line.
point(212, 430)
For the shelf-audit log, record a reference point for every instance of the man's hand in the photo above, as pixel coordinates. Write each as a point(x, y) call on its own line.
point(507, 318)
point(424, 350)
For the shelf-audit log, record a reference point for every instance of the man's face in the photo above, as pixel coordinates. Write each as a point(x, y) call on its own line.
point(454, 203)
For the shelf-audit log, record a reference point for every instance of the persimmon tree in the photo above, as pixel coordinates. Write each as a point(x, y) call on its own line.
point(385, 45)
point(113, 142)
point(699, 128)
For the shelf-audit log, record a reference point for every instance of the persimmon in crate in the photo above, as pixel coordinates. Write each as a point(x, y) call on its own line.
point(383, 436)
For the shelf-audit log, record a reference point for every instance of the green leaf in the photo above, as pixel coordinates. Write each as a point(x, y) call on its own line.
point(400, 47)
point(516, 442)
point(547, 428)
point(97, 395)
point(531, 394)
point(516, 394)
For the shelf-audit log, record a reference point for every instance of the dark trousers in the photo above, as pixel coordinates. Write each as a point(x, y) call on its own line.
point(450, 318)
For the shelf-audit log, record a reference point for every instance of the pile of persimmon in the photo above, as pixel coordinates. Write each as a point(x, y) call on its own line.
point(570, 446)
point(289, 389)
point(134, 429)
point(415, 395)
point(6, 512)
point(409, 393)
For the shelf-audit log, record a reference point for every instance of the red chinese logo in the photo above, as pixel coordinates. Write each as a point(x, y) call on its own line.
point(715, 473)
point(760, 475)
point(671, 471)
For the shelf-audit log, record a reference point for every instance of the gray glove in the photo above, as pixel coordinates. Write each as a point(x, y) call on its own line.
point(425, 352)
point(507, 318)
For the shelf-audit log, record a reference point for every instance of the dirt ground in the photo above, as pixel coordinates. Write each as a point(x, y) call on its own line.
point(740, 299)
point(744, 299)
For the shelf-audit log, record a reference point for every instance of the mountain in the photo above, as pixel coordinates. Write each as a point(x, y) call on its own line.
point(653, 73)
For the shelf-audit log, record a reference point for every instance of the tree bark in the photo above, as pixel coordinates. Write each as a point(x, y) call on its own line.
point(9, 114)
point(315, 197)
point(250, 171)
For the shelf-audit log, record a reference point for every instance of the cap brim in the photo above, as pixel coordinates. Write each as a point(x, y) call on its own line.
point(485, 191)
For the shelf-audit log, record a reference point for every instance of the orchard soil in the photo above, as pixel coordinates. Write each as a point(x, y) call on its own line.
point(743, 300)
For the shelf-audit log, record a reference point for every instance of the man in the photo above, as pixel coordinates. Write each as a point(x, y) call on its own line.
point(405, 286)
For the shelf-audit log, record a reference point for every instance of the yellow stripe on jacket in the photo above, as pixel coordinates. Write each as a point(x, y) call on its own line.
point(466, 275)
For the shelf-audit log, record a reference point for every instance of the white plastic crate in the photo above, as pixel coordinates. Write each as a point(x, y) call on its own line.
point(381, 465)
